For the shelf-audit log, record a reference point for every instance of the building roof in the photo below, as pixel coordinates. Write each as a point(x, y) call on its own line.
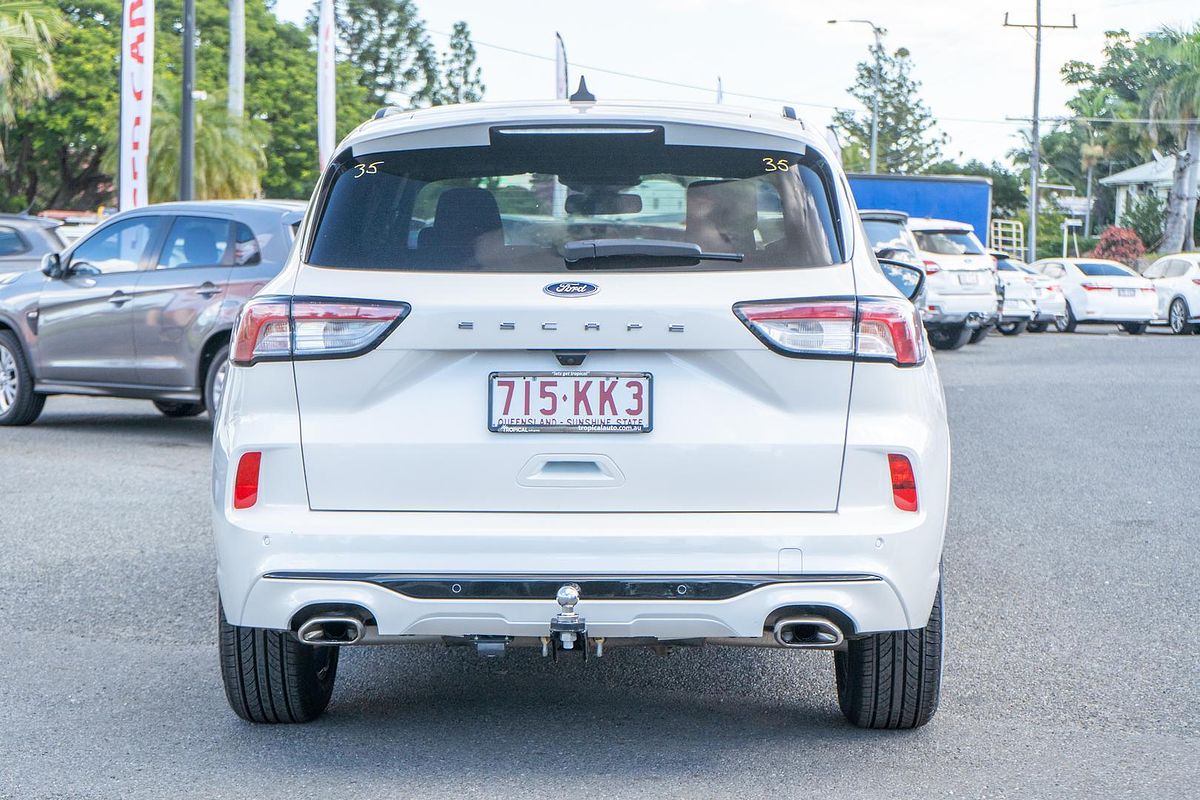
point(1159, 172)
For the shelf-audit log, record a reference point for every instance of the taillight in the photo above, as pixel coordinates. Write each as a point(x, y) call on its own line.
point(866, 328)
point(904, 482)
point(245, 482)
point(1148, 289)
point(1095, 287)
point(931, 267)
point(1196, 281)
point(273, 328)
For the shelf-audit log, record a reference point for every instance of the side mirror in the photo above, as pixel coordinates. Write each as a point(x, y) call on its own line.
point(52, 265)
point(908, 278)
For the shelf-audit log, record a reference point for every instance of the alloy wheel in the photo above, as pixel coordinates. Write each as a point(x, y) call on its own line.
point(218, 387)
point(1177, 317)
point(9, 380)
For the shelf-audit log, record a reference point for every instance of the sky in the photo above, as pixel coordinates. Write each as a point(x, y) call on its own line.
point(974, 72)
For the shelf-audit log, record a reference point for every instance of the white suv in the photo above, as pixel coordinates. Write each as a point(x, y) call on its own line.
point(577, 375)
point(962, 303)
point(1176, 282)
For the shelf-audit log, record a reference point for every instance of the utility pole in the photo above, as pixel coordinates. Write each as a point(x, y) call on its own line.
point(879, 33)
point(237, 58)
point(187, 130)
point(1035, 148)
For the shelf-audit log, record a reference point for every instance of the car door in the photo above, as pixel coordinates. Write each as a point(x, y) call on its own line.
point(84, 328)
point(1158, 274)
point(179, 300)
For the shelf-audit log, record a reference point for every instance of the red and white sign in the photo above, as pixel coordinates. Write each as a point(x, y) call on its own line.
point(137, 99)
point(326, 96)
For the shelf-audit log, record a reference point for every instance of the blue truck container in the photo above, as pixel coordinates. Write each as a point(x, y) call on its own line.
point(962, 198)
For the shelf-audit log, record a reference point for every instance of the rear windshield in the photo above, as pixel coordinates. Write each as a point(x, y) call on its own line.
point(1097, 269)
point(949, 243)
point(885, 233)
point(513, 205)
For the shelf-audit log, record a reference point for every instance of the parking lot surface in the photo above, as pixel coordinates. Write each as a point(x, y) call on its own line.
point(1071, 575)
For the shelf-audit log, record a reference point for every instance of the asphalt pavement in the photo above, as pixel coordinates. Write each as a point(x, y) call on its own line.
point(1071, 596)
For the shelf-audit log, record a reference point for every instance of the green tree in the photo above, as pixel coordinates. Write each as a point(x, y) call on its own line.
point(908, 141)
point(386, 42)
point(1175, 96)
point(461, 81)
point(28, 31)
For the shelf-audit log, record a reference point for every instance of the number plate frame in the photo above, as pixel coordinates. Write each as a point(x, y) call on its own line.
point(1123, 292)
point(646, 376)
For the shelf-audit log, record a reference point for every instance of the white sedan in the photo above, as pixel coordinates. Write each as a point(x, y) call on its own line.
point(1177, 281)
point(1018, 309)
point(1101, 291)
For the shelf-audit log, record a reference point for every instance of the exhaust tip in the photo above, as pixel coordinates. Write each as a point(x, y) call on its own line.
point(330, 630)
point(813, 633)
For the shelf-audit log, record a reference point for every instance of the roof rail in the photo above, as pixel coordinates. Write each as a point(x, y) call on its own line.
point(790, 113)
point(388, 111)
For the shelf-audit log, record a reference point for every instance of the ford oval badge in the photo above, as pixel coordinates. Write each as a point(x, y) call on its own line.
point(571, 289)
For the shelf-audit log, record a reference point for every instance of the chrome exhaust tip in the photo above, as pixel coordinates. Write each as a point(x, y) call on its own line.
point(330, 630)
point(812, 633)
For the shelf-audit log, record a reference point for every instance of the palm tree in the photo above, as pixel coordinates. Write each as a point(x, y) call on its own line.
point(1175, 99)
point(230, 152)
point(28, 30)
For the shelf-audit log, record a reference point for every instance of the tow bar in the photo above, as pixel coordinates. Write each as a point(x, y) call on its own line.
point(568, 630)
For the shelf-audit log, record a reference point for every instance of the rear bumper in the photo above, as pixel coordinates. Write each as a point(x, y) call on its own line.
point(877, 567)
point(973, 310)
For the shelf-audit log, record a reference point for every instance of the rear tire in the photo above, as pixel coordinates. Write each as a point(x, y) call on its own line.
point(1068, 323)
point(980, 333)
point(19, 403)
point(892, 680)
point(171, 408)
point(270, 677)
point(1135, 328)
point(1037, 327)
point(1014, 328)
point(214, 381)
point(950, 337)
point(1178, 315)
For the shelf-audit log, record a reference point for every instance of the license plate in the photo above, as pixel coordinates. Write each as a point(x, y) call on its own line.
point(569, 402)
point(1126, 292)
point(968, 279)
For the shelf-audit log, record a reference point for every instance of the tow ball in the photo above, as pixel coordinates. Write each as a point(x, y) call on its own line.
point(568, 630)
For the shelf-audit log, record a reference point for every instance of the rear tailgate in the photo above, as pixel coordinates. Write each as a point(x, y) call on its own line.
point(735, 426)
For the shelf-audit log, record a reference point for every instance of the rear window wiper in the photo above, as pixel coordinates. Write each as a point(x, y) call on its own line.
point(622, 253)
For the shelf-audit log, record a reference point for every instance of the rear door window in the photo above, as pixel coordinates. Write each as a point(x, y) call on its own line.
point(514, 205)
point(195, 242)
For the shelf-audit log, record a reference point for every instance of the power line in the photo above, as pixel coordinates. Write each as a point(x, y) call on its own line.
point(789, 101)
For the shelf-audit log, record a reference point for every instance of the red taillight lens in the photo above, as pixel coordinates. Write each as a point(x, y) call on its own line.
point(1148, 289)
point(245, 483)
point(931, 267)
point(866, 328)
point(904, 482)
point(282, 328)
point(1196, 281)
point(263, 332)
point(1095, 287)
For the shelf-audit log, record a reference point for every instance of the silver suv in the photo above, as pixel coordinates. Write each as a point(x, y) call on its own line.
point(141, 307)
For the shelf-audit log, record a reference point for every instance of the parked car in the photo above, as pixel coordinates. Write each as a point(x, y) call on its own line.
point(1018, 306)
point(1050, 302)
point(141, 307)
point(24, 240)
point(963, 301)
point(888, 233)
point(615, 438)
point(1100, 291)
point(1176, 280)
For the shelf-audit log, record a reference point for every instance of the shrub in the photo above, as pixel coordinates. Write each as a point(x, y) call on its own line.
point(1120, 244)
point(1147, 215)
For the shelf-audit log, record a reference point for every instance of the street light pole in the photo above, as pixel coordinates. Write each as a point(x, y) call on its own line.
point(187, 130)
point(879, 32)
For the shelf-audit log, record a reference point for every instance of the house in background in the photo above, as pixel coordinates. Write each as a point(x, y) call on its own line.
point(1128, 185)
